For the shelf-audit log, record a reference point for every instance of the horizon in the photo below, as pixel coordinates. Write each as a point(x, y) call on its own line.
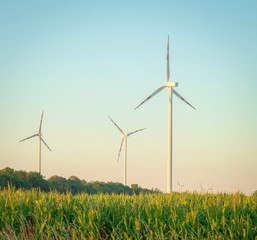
point(82, 62)
point(180, 190)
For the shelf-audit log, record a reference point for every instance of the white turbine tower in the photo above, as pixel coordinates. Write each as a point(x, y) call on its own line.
point(39, 135)
point(124, 139)
point(170, 86)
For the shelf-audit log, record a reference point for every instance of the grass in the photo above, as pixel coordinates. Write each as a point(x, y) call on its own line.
point(37, 215)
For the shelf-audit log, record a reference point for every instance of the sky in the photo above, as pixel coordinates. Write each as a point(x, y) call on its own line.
point(82, 61)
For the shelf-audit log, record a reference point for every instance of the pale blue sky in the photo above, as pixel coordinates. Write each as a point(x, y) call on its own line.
point(81, 61)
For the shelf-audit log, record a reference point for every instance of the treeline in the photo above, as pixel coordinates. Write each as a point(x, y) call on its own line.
point(74, 185)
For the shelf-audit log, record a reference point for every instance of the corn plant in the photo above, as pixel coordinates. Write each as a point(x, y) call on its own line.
point(32, 214)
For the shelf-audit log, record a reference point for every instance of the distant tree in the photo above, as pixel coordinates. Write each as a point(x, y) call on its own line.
point(127, 190)
point(22, 177)
point(155, 190)
point(8, 177)
point(59, 184)
point(119, 188)
point(5, 181)
point(98, 186)
point(135, 188)
point(36, 180)
point(75, 185)
point(88, 188)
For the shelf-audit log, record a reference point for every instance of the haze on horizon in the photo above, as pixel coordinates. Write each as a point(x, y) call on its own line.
point(82, 61)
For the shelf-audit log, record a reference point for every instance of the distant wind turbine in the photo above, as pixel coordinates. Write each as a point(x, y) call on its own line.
point(39, 135)
point(206, 189)
point(181, 186)
point(124, 139)
point(170, 86)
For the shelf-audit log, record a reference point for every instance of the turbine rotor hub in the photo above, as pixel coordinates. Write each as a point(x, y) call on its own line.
point(171, 84)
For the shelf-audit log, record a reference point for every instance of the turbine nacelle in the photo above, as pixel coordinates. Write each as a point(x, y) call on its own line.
point(171, 84)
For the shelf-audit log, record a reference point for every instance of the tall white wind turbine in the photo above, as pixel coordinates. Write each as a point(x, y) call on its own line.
point(39, 135)
point(170, 86)
point(124, 139)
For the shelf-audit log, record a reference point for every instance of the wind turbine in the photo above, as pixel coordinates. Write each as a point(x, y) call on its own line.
point(39, 135)
point(170, 86)
point(206, 189)
point(181, 186)
point(124, 139)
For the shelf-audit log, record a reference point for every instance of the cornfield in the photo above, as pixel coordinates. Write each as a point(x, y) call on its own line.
point(37, 215)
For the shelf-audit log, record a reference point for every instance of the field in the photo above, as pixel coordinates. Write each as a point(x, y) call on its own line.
point(37, 215)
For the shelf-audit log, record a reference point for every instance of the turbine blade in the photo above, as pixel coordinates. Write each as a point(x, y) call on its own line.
point(117, 126)
point(183, 99)
point(28, 137)
point(168, 63)
point(136, 131)
point(120, 148)
point(154, 93)
point(46, 144)
point(40, 125)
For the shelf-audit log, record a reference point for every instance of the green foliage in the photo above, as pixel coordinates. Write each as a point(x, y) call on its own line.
point(32, 214)
point(31, 180)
